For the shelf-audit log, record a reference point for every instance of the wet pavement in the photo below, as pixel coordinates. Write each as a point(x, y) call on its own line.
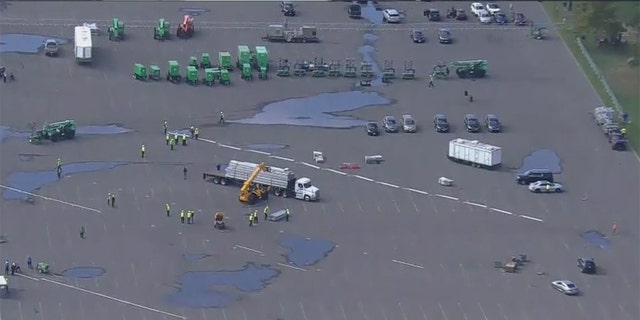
point(367, 50)
point(542, 159)
point(596, 238)
point(193, 257)
point(25, 43)
point(212, 289)
point(83, 272)
point(306, 251)
point(318, 110)
point(32, 181)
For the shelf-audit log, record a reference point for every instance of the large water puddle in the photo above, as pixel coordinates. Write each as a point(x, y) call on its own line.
point(306, 251)
point(25, 43)
point(6, 132)
point(317, 111)
point(83, 272)
point(542, 159)
point(596, 238)
point(32, 181)
point(215, 289)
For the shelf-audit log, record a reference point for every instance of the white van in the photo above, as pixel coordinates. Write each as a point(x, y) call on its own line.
point(408, 124)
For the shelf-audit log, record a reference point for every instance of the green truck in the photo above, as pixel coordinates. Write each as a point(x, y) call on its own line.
point(244, 56)
point(260, 61)
point(173, 74)
point(54, 132)
point(224, 61)
point(116, 30)
point(139, 72)
point(162, 31)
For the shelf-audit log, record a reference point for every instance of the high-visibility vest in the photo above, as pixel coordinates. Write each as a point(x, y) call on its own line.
point(266, 209)
point(168, 207)
point(142, 148)
point(182, 214)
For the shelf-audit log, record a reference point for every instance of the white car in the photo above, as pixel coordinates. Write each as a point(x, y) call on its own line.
point(492, 8)
point(95, 30)
point(565, 286)
point(485, 17)
point(391, 16)
point(476, 8)
point(545, 186)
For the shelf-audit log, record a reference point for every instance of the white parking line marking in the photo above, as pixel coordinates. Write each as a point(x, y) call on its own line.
point(290, 266)
point(417, 191)
point(408, 264)
point(248, 249)
point(27, 277)
point(309, 165)
point(207, 140)
point(259, 152)
point(50, 199)
point(335, 171)
point(282, 158)
point(501, 211)
point(387, 184)
point(114, 299)
point(230, 147)
point(362, 178)
point(447, 197)
point(531, 218)
point(475, 204)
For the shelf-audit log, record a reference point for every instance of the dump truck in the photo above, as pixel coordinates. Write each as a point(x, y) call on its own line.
point(244, 56)
point(475, 153)
point(186, 27)
point(470, 68)
point(116, 30)
point(82, 44)
point(280, 182)
point(51, 48)
point(54, 132)
point(284, 33)
point(162, 31)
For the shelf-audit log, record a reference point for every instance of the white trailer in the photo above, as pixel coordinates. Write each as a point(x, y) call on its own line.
point(83, 44)
point(474, 153)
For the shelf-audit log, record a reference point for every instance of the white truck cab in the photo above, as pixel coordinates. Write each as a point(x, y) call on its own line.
point(4, 285)
point(306, 191)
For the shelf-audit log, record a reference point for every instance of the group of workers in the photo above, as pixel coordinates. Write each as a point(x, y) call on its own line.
point(13, 267)
point(253, 216)
point(185, 215)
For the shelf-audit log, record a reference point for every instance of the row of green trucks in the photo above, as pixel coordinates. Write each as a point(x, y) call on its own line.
point(246, 61)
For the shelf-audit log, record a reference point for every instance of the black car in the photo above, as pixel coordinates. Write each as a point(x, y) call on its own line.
point(372, 129)
point(492, 123)
point(432, 14)
point(444, 36)
point(354, 11)
point(472, 123)
point(440, 123)
point(461, 15)
point(534, 175)
point(417, 36)
point(287, 8)
point(586, 265)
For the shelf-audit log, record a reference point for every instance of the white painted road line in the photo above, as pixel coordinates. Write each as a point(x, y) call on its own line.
point(309, 165)
point(230, 147)
point(27, 277)
point(259, 152)
point(417, 191)
point(283, 158)
point(335, 171)
point(362, 178)
point(207, 140)
point(50, 199)
point(387, 184)
point(531, 218)
point(447, 197)
point(98, 294)
point(290, 266)
point(408, 264)
point(248, 249)
point(475, 204)
point(502, 211)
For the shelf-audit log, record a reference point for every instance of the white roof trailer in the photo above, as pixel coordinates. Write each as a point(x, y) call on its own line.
point(475, 153)
point(83, 44)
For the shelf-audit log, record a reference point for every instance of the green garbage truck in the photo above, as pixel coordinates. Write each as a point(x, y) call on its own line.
point(116, 30)
point(192, 76)
point(260, 61)
point(154, 72)
point(206, 61)
point(173, 74)
point(139, 72)
point(244, 56)
point(162, 30)
point(225, 61)
point(209, 77)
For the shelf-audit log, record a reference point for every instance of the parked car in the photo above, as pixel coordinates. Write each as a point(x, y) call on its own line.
point(492, 123)
point(565, 286)
point(287, 8)
point(500, 18)
point(432, 14)
point(372, 129)
point(533, 175)
point(587, 265)
point(485, 17)
point(354, 11)
point(461, 15)
point(545, 187)
point(389, 124)
point(51, 47)
point(417, 36)
point(444, 36)
point(441, 123)
point(493, 8)
point(472, 123)
point(477, 8)
point(408, 124)
point(519, 19)
point(391, 16)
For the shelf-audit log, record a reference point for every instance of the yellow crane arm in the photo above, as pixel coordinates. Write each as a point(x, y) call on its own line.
point(247, 184)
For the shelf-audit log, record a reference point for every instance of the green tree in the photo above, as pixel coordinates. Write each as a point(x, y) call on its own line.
point(599, 18)
point(629, 13)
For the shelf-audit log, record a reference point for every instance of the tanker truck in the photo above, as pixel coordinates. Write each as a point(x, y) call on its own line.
point(258, 180)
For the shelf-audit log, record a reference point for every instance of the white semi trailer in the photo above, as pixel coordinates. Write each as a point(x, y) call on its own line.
point(281, 182)
point(475, 153)
point(83, 44)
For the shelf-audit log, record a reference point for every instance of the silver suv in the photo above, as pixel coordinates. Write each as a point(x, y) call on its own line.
point(389, 124)
point(408, 124)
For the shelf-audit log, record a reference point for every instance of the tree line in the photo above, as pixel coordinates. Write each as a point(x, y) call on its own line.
point(606, 19)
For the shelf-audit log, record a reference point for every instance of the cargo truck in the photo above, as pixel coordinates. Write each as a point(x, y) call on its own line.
point(278, 181)
point(83, 45)
point(475, 154)
point(283, 33)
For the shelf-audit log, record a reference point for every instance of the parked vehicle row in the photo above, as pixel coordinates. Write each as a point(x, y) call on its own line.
point(585, 265)
point(440, 124)
point(390, 125)
point(444, 36)
point(616, 133)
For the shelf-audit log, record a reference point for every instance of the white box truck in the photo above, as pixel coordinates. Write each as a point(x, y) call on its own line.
point(474, 153)
point(83, 44)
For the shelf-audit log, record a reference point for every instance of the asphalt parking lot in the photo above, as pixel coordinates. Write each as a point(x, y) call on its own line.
point(406, 247)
